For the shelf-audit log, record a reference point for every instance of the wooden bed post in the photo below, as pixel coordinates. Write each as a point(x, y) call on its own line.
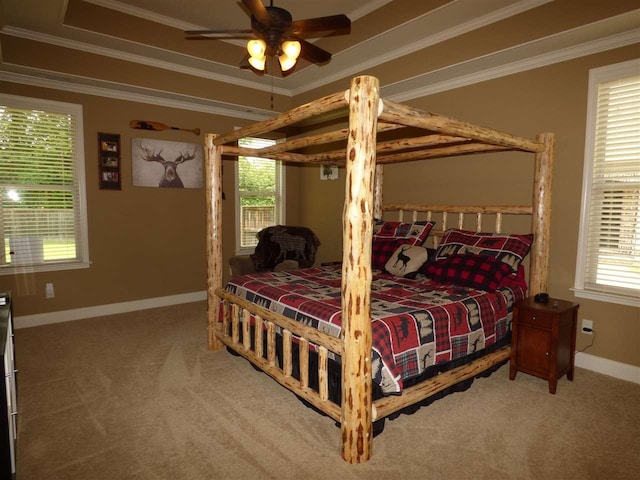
point(377, 192)
point(213, 188)
point(356, 411)
point(541, 218)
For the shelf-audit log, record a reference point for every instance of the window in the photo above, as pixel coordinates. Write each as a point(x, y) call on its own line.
point(43, 223)
point(259, 194)
point(608, 266)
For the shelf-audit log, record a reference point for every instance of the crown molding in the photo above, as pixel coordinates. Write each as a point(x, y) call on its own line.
point(365, 9)
point(348, 62)
point(204, 70)
point(86, 86)
point(498, 65)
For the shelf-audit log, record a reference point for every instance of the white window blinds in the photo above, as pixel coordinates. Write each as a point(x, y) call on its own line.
point(42, 213)
point(611, 262)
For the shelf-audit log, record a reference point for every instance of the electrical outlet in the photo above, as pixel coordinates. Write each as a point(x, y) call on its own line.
point(49, 291)
point(587, 327)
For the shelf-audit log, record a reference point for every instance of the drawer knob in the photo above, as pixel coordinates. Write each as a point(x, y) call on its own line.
point(533, 317)
point(546, 354)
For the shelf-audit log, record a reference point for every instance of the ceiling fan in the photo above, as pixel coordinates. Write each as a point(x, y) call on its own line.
point(274, 33)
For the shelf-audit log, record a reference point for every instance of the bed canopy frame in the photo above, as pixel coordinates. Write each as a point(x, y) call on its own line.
point(363, 159)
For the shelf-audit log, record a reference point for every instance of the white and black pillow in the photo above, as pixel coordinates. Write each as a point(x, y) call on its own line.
point(406, 259)
point(388, 236)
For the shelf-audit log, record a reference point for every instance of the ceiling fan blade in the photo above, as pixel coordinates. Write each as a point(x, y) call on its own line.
point(258, 10)
point(313, 53)
point(244, 63)
point(218, 34)
point(336, 24)
point(239, 36)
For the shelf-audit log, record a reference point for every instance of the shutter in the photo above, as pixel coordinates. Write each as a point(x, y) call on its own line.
point(613, 244)
point(39, 191)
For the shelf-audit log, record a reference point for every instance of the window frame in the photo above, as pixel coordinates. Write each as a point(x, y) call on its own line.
point(280, 193)
point(52, 106)
point(596, 76)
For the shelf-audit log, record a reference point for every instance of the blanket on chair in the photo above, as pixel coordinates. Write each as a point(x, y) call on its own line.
point(279, 243)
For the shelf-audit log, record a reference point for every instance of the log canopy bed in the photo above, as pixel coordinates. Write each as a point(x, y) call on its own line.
point(263, 335)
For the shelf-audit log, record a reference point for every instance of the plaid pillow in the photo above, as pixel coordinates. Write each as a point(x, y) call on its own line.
point(415, 232)
point(509, 248)
point(388, 236)
point(468, 270)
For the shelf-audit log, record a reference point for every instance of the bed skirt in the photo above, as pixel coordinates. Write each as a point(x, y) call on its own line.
point(335, 377)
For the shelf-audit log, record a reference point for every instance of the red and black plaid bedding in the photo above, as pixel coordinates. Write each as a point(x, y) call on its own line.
point(415, 323)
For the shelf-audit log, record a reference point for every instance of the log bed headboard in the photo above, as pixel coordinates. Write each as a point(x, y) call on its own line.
point(363, 156)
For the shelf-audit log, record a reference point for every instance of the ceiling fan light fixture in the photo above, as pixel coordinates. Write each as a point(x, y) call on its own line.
point(257, 48)
point(258, 62)
point(273, 33)
point(291, 48)
point(286, 62)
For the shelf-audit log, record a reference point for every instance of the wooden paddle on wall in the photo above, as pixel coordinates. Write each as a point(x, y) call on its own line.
point(157, 126)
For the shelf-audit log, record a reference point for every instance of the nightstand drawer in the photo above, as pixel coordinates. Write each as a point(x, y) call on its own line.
point(535, 319)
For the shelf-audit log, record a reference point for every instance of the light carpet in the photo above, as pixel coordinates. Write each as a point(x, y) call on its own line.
point(139, 396)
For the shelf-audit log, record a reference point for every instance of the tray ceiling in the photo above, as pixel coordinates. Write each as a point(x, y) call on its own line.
point(137, 47)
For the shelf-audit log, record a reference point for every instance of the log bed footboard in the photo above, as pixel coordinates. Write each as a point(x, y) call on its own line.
point(235, 332)
point(237, 316)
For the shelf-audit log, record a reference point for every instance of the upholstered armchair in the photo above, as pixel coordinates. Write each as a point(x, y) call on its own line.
point(279, 248)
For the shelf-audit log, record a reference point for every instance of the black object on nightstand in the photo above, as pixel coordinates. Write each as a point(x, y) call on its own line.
point(543, 341)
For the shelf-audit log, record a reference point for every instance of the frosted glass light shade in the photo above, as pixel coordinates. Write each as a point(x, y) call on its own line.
point(257, 63)
point(256, 48)
point(291, 48)
point(286, 62)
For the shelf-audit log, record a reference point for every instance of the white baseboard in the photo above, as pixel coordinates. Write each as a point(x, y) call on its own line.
point(26, 321)
point(612, 368)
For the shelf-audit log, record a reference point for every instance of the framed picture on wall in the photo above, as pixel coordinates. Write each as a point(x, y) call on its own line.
point(109, 161)
point(328, 172)
point(166, 164)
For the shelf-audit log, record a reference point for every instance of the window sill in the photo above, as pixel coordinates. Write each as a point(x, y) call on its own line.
point(8, 270)
point(607, 297)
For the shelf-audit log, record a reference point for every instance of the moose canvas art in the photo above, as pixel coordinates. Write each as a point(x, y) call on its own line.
point(159, 163)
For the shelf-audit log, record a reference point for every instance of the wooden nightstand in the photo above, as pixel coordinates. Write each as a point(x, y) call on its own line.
point(543, 341)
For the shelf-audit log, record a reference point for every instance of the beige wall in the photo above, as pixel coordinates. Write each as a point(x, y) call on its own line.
point(143, 242)
point(148, 242)
point(549, 99)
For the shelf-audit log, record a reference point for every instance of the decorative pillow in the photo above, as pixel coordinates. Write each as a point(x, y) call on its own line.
point(515, 280)
point(388, 236)
point(468, 270)
point(382, 250)
point(509, 248)
point(406, 259)
point(415, 232)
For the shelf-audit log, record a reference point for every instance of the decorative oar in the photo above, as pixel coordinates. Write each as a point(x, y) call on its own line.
point(157, 126)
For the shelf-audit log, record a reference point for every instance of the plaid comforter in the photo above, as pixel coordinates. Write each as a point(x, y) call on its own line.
point(415, 323)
